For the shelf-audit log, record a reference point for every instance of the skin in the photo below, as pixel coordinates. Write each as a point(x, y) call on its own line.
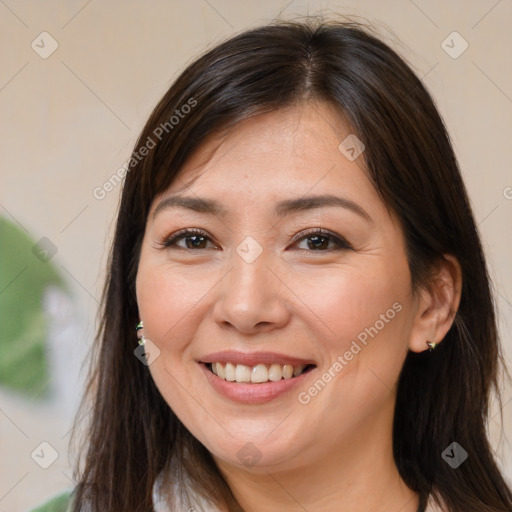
point(335, 452)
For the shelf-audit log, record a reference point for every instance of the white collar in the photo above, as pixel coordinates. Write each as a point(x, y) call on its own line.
point(178, 501)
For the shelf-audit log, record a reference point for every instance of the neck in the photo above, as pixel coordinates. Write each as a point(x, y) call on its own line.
point(358, 475)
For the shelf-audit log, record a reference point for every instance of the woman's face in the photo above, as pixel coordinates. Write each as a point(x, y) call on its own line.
point(259, 287)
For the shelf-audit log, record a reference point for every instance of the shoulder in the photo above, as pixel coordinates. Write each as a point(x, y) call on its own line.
point(60, 503)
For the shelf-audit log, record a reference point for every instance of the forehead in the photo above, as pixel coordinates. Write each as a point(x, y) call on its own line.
point(287, 153)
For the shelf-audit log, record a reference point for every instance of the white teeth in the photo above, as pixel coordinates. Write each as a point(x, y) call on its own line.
point(229, 370)
point(259, 373)
point(275, 372)
point(297, 370)
point(256, 374)
point(220, 371)
point(287, 371)
point(242, 373)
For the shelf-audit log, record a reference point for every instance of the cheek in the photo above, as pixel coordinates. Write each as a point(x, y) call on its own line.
point(166, 298)
point(350, 304)
point(362, 318)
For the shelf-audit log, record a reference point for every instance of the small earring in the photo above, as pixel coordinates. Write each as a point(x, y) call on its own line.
point(432, 345)
point(140, 334)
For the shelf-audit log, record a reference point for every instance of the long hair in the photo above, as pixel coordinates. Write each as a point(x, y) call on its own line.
point(442, 397)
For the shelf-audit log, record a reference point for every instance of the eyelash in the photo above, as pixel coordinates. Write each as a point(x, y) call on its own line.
point(187, 232)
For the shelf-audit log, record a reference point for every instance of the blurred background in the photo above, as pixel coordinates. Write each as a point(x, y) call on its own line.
point(78, 80)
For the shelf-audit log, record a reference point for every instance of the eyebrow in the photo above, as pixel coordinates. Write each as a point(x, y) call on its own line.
point(282, 208)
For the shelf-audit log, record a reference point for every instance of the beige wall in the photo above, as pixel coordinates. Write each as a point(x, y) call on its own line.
point(68, 122)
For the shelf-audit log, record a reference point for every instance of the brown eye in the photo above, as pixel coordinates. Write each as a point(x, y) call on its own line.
point(194, 239)
point(319, 240)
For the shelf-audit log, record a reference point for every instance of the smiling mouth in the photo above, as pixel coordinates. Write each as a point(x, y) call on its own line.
point(257, 374)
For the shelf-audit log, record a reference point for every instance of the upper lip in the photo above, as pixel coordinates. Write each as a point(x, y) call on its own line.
point(253, 358)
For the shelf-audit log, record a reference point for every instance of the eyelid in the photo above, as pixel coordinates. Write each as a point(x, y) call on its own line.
point(341, 242)
point(319, 231)
point(170, 240)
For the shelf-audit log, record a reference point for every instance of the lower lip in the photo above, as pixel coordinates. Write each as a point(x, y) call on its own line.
point(253, 393)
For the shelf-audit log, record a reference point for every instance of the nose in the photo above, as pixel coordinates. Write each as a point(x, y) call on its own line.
point(252, 297)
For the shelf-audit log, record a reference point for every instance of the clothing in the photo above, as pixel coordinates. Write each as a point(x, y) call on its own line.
point(62, 503)
point(197, 504)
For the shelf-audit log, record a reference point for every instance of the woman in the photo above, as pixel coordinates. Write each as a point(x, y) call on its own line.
point(296, 254)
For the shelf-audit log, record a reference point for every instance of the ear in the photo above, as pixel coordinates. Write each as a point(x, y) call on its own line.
point(437, 305)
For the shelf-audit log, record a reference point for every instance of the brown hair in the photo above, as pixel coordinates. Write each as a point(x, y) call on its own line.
point(442, 396)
